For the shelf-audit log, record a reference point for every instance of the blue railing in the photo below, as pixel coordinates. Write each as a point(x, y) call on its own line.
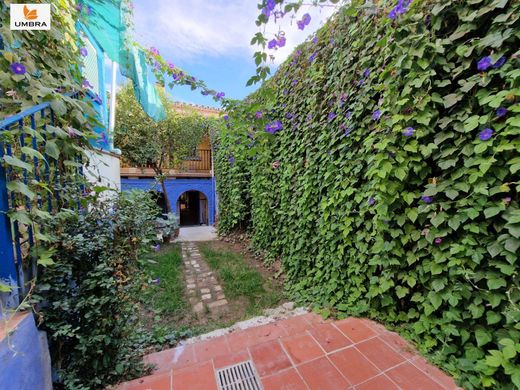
point(52, 177)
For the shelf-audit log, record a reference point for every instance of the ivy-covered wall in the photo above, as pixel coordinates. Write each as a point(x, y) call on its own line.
point(381, 164)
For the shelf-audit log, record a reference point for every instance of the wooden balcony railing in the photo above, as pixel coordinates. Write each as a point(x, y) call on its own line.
point(197, 166)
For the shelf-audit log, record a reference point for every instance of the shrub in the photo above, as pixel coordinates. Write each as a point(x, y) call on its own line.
point(391, 189)
point(86, 309)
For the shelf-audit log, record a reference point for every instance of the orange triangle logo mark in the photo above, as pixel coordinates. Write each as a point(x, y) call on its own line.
point(29, 14)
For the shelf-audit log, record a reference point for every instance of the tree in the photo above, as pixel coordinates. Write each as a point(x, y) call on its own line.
point(156, 145)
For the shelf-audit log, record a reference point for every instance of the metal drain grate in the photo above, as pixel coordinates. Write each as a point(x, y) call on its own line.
point(241, 376)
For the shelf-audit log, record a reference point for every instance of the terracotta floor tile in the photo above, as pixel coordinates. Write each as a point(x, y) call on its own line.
point(230, 359)
point(320, 374)
point(380, 382)
point(315, 319)
point(399, 344)
point(355, 329)
point(329, 337)
point(295, 325)
point(242, 339)
point(152, 382)
point(375, 326)
point(353, 365)
point(269, 358)
point(181, 356)
point(436, 373)
point(302, 348)
point(409, 377)
point(285, 380)
point(379, 353)
point(197, 377)
point(207, 350)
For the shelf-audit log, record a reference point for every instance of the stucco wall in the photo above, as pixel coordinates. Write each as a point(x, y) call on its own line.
point(24, 355)
point(175, 188)
point(103, 169)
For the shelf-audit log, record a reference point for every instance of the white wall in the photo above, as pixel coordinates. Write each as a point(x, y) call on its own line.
point(103, 169)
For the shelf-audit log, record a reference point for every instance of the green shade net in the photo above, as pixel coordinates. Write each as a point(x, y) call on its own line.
point(107, 22)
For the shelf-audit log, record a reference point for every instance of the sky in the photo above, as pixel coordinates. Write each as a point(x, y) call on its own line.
point(210, 40)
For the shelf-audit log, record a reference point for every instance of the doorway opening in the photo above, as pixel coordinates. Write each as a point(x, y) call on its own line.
point(193, 208)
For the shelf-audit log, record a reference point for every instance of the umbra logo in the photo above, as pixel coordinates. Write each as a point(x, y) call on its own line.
point(30, 16)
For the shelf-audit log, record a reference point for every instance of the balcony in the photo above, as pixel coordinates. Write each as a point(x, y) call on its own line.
point(197, 166)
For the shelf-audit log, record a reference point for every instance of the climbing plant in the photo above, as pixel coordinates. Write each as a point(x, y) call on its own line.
point(381, 164)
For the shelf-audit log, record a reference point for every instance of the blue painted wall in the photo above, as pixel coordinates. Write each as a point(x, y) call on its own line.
point(24, 358)
point(175, 187)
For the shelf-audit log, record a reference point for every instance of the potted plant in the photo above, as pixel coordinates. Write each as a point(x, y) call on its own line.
point(167, 227)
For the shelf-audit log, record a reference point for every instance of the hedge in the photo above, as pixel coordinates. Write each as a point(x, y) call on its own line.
point(381, 164)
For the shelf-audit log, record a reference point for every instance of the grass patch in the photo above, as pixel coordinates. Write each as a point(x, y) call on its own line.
point(166, 297)
point(240, 280)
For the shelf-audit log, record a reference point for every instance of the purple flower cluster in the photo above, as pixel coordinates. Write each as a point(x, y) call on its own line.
point(399, 9)
point(366, 73)
point(17, 68)
point(86, 84)
point(273, 127)
point(408, 132)
point(154, 51)
point(306, 19)
point(219, 95)
point(486, 62)
point(485, 134)
point(313, 56)
point(501, 112)
point(277, 42)
point(427, 199)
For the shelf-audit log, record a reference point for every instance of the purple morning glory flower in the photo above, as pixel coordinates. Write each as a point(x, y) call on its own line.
point(501, 61)
point(157, 248)
point(220, 95)
point(281, 41)
point(438, 240)
point(371, 201)
point(408, 132)
point(98, 99)
point(314, 40)
point(274, 127)
point(83, 52)
point(270, 4)
point(171, 65)
point(484, 63)
point(485, 134)
point(17, 68)
point(259, 114)
point(399, 9)
point(156, 281)
point(331, 116)
point(306, 19)
point(289, 115)
point(232, 160)
point(294, 82)
point(427, 199)
point(154, 51)
point(366, 73)
point(502, 111)
point(313, 56)
point(300, 24)
point(348, 114)
point(376, 115)
point(226, 117)
point(86, 84)
point(272, 44)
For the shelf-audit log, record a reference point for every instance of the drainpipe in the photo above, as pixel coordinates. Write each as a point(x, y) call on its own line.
point(113, 92)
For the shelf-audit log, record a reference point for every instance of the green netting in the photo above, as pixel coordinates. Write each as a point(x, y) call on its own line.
point(133, 65)
point(106, 22)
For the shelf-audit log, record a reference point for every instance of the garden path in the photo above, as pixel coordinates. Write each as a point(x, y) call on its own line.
point(204, 291)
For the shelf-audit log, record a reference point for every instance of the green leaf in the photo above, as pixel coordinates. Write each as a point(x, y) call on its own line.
point(16, 162)
point(496, 283)
point(4, 288)
point(483, 337)
point(20, 187)
point(52, 149)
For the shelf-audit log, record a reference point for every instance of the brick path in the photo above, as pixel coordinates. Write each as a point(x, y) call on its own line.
point(301, 352)
point(205, 294)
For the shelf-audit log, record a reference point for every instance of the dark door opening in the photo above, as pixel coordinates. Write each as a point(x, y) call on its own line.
point(193, 208)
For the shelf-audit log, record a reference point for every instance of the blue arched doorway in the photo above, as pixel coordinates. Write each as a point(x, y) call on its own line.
point(193, 208)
